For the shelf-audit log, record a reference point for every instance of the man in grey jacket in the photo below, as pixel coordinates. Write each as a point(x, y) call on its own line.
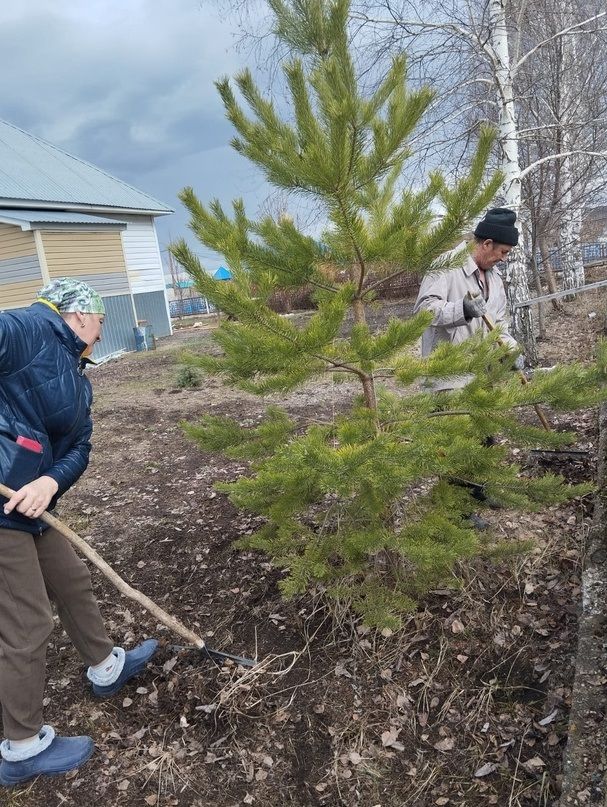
point(460, 297)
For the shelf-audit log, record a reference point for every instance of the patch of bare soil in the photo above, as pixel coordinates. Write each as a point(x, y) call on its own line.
point(466, 706)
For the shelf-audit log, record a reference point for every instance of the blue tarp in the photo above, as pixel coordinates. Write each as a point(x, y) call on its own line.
point(222, 274)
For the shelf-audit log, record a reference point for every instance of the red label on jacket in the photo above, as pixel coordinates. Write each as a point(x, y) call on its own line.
point(31, 445)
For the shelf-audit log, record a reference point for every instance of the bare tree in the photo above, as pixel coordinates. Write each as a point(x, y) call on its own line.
point(494, 50)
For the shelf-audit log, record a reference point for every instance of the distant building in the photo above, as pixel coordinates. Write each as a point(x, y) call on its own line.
point(61, 216)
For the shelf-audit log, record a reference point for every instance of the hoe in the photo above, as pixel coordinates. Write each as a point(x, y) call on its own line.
point(195, 642)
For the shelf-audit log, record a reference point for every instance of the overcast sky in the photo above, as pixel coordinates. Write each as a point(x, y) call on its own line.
point(128, 86)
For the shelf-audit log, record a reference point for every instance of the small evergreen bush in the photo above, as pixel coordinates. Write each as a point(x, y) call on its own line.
point(188, 378)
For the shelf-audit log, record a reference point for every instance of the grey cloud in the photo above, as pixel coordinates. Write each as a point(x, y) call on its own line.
point(128, 86)
point(114, 141)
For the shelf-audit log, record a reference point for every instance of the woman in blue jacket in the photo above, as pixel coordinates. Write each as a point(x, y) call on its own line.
point(45, 430)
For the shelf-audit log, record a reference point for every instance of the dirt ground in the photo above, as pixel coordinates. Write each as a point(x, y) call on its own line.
point(466, 706)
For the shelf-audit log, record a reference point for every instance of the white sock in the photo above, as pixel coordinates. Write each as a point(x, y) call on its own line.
point(107, 671)
point(19, 750)
point(24, 745)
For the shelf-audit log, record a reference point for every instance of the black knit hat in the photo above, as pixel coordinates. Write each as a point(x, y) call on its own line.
point(498, 225)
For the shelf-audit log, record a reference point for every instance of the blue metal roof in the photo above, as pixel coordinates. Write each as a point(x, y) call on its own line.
point(33, 219)
point(35, 171)
point(222, 274)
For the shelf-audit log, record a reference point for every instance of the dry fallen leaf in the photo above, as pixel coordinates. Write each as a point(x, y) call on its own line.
point(445, 744)
point(549, 718)
point(485, 770)
point(168, 665)
point(340, 670)
point(535, 762)
point(388, 737)
point(457, 626)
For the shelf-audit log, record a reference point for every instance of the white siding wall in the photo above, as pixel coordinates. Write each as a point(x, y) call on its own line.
point(142, 254)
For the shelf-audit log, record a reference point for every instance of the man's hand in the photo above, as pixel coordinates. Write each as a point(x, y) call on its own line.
point(32, 499)
point(474, 307)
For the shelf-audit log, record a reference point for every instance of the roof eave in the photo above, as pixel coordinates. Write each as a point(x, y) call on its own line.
point(62, 226)
point(26, 204)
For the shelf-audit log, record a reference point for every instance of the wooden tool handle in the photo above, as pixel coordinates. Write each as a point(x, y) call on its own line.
point(81, 545)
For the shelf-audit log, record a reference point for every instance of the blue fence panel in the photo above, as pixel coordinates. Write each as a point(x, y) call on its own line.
point(590, 254)
point(594, 252)
point(191, 307)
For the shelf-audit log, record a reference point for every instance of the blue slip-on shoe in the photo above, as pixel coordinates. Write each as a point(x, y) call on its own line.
point(134, 662)
point(58, 755)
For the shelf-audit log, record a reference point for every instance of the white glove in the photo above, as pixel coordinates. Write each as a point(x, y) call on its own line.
point(519, 362)
point(474, 307)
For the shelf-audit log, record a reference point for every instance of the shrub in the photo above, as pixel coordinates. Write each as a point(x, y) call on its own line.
point(188, 378)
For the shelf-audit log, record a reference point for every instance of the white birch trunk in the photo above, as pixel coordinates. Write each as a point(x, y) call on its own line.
point(572, 266)
point(517, 285)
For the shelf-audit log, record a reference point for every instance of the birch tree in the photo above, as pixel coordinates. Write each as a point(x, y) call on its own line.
point(578, 145)
point(571, 225)
point(563, 108)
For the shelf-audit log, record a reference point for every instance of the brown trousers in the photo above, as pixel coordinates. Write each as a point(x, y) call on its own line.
point(33, 571)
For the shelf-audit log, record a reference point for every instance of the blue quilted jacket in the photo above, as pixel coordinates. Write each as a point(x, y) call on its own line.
point(43, 396)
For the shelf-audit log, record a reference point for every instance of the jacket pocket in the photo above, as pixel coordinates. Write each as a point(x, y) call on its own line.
point(18, 465)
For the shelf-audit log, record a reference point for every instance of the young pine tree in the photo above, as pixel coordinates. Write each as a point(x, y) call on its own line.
point(366, 505)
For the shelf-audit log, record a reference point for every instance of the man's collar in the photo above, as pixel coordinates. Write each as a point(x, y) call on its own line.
point(470, 266)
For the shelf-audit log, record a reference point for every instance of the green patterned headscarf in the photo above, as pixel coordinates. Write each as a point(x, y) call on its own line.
point(68, 294)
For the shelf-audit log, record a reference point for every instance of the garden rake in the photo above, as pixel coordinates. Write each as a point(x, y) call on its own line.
point(524, 380)
point(538, 409)
point(196, 642)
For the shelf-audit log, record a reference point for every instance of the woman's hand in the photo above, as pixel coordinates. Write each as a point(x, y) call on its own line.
point(32, 499)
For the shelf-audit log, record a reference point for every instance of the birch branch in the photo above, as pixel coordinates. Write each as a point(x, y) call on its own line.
point(560, 156)
point(565, 31)
point(447, 27)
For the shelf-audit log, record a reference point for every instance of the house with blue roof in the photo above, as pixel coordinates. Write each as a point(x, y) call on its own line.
point(61, 216)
